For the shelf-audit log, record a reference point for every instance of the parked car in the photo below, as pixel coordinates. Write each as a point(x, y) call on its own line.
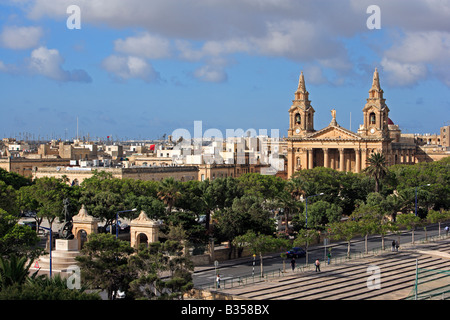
point(31, 224)
point(296, 252)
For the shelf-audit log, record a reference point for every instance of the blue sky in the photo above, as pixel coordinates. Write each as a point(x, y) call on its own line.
point(139, 69)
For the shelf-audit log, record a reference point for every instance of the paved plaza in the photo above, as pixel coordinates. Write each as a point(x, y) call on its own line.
point(352, 280)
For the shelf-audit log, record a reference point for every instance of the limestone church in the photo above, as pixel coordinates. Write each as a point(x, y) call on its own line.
point(339, 148)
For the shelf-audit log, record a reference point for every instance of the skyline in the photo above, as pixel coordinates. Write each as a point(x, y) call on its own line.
point(141, 69)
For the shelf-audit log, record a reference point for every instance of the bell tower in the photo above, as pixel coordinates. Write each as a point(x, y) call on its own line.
point(301, 113)
point(376, 112)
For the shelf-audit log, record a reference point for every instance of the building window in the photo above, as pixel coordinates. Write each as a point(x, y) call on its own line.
point(298, 119)
point(372, 118)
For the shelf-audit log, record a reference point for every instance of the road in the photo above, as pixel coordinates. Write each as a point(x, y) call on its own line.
point(273, 264)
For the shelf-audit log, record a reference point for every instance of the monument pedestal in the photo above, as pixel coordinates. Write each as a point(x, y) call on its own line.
point(62, 257)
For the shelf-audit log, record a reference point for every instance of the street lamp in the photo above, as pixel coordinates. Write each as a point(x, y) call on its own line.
point(416, 196)
point(117, 220)
point(320, 194)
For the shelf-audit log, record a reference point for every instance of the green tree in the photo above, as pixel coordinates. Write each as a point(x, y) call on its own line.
point(14, 180)
point(45, 197)
point(152, 206)
point(104, 263)
point(17, 239)
point(152, 264)
point(104, 196)
point(304, 238)
point(27, 202)
point(368, 222)
point(345, 230)
point(376, 168)
point(201, 198)
point(169, 192)
point(340, 188)
point(287, 205)
point(373, 217)
point(45, 288)
point(321, 213)
point(259, 244)
point(248, 213)
point(438, 217)
point(260, 185)
point(104, 205)
point(8, 198)
point(410, 221)
point(14, 270)
point(436, 173)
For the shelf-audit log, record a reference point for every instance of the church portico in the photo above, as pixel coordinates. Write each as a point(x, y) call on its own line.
point(339, 158)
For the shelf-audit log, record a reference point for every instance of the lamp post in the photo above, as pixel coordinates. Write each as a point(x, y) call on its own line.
point(117, 220)
point(306, 201)
point(416, 196)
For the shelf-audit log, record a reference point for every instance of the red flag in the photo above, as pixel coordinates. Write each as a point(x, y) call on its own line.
point(152, 147)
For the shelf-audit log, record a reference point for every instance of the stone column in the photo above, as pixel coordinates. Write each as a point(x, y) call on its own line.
point(310, 158)
point(291, 164)
point(358, 160)
point(332, 160)
point(325, 158)
point(341, 159)
point(363, 159)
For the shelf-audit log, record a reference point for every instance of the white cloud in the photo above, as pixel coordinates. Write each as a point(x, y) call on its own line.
point(48, 63)
point(210, 73)
point(128, 67)
point(315, 74)
point(403, 74)
point(418, 55)
point(144, 45)
point(19, 38)
point(421, 47)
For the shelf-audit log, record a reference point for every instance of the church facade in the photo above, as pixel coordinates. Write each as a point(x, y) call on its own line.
point(337, 147)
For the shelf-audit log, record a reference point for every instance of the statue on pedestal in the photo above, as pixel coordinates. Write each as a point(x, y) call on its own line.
point(66, 230)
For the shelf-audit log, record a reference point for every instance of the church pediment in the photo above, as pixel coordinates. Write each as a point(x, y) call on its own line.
point(334, 133)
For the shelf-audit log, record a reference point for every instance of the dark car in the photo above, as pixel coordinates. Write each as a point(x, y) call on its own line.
point(296, 253)
point(123, 228)
point(31, 224)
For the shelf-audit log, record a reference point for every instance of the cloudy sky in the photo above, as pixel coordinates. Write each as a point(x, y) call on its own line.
point(140, 69)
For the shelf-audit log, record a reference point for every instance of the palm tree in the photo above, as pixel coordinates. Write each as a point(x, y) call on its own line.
point(290, 205)
point(169, 192)
point(376, 168)
point(14, 270)
point(208, 201)
point(295, 188)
